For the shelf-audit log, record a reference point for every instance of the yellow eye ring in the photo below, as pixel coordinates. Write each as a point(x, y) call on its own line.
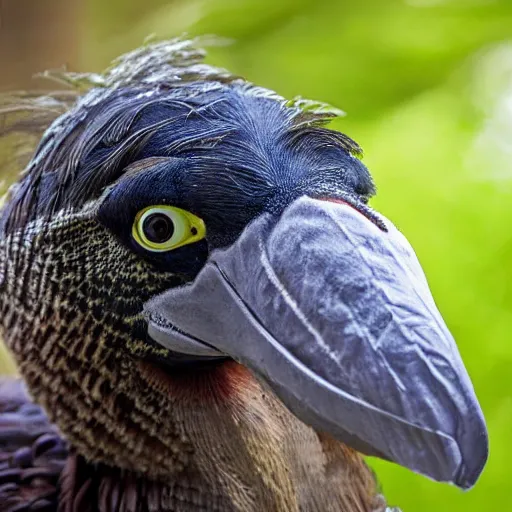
point(162, 228)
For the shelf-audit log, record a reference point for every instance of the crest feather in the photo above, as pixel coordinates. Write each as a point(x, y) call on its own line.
point(69, 120)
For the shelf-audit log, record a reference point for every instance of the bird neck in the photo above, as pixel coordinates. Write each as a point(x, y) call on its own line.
point(215, 436)
point(218, 440)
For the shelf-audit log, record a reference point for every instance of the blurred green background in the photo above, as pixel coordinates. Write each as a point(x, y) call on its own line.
point(427, 86)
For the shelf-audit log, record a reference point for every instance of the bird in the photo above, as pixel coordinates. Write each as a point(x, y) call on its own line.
point(205, 312)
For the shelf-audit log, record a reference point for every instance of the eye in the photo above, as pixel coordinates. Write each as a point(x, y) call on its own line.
point(162, 228)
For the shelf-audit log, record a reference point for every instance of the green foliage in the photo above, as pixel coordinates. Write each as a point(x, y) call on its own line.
point(427, 85)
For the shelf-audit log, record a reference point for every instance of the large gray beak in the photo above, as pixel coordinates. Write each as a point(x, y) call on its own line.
point(336, 315)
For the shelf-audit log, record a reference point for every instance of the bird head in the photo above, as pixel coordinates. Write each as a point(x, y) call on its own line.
point(188, 259)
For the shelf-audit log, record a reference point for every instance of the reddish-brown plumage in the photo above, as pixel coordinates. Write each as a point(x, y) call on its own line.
point(215, 383)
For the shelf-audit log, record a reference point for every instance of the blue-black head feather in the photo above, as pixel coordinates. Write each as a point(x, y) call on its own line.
point(165, 130)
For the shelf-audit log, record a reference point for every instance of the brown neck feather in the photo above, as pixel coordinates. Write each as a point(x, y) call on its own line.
point(242, 452)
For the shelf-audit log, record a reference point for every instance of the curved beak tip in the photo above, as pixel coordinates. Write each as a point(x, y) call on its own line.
point(336, 315)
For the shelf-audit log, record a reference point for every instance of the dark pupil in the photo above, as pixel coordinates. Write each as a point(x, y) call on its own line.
point(158, 228)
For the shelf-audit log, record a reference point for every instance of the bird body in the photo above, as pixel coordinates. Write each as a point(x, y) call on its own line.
point(161, 163)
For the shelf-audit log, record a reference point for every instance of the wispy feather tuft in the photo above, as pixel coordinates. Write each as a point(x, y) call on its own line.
point(160, 96)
